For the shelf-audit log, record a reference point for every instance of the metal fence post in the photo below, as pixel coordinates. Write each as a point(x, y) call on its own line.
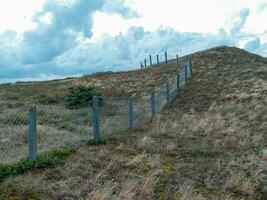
point(166, 57)
point(130, 113)
point(153, 104)
point(145, 62)
point(168, 92)
point(32, 134)
point(96, 118)
point(150, 58)
point(158, 59)
point(178, 83)
point(185, 73)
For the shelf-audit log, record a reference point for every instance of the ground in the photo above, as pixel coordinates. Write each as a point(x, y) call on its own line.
point(210, 143)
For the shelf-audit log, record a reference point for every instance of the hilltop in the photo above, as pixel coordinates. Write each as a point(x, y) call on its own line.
point(210, 143)
point(118, 84)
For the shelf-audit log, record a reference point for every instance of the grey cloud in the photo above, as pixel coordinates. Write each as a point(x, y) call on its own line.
point(119, 7)
point(239, 24)
point(253, 45)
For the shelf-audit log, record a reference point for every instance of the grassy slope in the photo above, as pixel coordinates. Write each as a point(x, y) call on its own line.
point(132, 83)
point(209, 144)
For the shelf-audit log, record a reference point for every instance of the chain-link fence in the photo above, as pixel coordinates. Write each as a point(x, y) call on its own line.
point(24, 133)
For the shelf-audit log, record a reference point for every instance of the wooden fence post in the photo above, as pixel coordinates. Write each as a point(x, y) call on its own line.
point(130, 113)
point(168, 92)
point(96, 118)
point(185, 73)
point(145, 62)
point(190, 65)
point(153, 104)
point(158, 59)
point(32, 133)
point(177, 60)
point(166, 57)
point(178, 83)
point(150, 58)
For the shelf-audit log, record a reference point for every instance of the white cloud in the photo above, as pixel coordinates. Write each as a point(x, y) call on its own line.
point(65, 37)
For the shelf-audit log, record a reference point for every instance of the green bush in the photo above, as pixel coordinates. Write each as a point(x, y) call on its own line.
point(79, 96)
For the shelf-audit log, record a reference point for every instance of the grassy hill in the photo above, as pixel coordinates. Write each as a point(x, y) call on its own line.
point(119, 84)
point(210, 143)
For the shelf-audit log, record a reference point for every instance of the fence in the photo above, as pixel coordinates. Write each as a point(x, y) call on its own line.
point(26, 132)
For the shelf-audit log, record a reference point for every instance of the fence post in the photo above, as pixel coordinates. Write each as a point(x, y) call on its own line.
point(185, 73)
point(141, 65)
point(130, 113)
point(178, 83)
point(190, 65)
point(158, 59)
point(168, 92)
point(150, 58)
point(153, 104)
point(166, 57)
point(96, 118)
point(145, 62)
point(32, 134)
point(177, 60)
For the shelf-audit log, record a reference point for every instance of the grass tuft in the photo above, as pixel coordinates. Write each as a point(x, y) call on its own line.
point(48, 159)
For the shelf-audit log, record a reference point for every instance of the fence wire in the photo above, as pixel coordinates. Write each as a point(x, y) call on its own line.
point(13, 135)
point(58, 126)
point(113, 114)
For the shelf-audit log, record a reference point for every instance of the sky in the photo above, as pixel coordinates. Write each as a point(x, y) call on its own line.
point(52, 39)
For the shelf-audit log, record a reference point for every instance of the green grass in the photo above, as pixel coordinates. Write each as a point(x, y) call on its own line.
point(44, 160)
point(108, 138)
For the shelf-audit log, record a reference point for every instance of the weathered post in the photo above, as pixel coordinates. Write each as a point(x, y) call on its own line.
point(32, 134)
point(96, 118)
point(158, 59)
point(177, 60)
point(145, 62)
point(168, 92)
point(178, 83)
point(130, 113)
point(142, 65)
point(153, 105)
point(150, 58)
point(166, 57)
point(185, 72)
point(190, 65)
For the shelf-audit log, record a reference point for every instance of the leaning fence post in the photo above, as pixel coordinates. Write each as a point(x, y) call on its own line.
point(158, 59)
point(153, 104)
point(145, 62)
point(168, 92)
point(178, 83)
point(130, 113)
point(185, 73)
point(96, 118)
point(150, 58)
point(166, 57)
point(32, 134)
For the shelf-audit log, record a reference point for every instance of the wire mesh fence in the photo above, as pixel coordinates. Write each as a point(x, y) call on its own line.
point(58, 126)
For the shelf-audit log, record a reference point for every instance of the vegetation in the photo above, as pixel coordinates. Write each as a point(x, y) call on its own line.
point(44, 160)
point(210, 143)
point(80, 96)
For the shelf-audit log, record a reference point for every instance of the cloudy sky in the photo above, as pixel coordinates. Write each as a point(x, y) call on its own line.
point(48, 39)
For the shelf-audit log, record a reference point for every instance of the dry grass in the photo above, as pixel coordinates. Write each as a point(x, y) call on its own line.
point(210, 143)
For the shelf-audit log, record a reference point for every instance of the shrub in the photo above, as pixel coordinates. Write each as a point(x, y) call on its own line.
point(79, 96)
